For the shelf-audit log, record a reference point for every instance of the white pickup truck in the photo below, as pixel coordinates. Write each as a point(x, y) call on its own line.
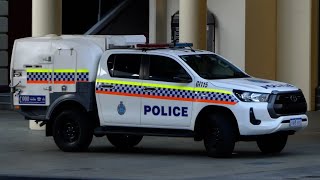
point(118, 86)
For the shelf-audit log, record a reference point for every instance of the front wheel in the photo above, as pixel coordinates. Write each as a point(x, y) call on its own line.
point(72, 132)
point(220, 136)
point(124, 141)
point(272, 143)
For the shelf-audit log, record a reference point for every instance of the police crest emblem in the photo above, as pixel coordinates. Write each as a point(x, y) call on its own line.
point(121, 108)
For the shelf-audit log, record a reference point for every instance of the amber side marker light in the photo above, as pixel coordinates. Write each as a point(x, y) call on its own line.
point(16, 107)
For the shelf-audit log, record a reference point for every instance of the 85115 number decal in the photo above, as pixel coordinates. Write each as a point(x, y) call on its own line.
point(26, 99)
point(201, 84)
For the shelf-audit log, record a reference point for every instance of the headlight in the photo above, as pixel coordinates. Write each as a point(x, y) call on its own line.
point(251, 96)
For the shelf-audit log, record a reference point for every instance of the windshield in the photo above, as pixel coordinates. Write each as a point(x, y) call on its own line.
point(211, 66)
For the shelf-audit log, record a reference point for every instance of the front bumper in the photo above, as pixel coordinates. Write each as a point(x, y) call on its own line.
point(265, 124)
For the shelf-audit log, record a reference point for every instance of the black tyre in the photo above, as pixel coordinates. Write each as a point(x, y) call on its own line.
point(124, 141)
point(72, 132)
point(220, 136)
point(272, 143)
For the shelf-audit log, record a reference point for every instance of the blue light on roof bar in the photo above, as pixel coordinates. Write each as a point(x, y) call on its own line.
point(181, 45)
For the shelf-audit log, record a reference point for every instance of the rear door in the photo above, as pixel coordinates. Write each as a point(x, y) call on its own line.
point(33, 82)
point(118, 89)
point(64, 70)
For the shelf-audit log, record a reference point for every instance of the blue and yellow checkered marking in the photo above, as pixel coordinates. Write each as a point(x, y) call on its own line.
point(64, 76)
point(38, 76)
point(166, 92)
point(83, 76)
point(43, 76)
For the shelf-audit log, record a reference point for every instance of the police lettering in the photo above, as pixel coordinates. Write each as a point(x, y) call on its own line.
point(166, 111)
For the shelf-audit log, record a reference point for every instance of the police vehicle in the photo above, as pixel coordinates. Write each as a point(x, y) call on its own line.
point(124, 89)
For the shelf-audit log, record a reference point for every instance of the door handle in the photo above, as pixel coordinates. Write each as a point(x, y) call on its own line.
point(49, 88)
point(109, 86)
point(203, 95)
point(149, 89)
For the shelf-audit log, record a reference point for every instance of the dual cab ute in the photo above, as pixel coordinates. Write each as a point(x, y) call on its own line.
point(122, 88)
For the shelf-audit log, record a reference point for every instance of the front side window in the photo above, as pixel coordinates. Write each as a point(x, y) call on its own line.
point(163, 68)
point(211, 66)
point(124, 65)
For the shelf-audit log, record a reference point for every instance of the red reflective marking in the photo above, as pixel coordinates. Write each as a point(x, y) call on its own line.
point(64, 82)
point(38, 82)
point(49, 82)
point(166, 98)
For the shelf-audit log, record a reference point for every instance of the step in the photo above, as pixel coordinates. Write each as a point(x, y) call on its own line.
point(5, 101)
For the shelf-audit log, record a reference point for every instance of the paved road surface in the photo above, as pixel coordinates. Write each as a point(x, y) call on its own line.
point(26, 153)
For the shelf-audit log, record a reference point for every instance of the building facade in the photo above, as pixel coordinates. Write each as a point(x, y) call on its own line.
point(4, 11)
point(273, 39)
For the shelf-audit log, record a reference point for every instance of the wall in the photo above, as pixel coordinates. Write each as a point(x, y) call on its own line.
point(172, 7)
point(314, 51)
point(294, 44)
point(273, 39)
point(261, 38)
point(230, 27)
point(3, 44)
point(132, 20)
point(230, 15)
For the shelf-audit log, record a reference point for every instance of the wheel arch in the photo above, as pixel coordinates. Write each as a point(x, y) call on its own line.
point(201, 119)
point(64, 100)
point(69, 101)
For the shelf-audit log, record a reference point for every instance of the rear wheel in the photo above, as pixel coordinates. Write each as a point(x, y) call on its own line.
point(124, 141)
point(71, 131)
point(272, 143)
point(220, 136)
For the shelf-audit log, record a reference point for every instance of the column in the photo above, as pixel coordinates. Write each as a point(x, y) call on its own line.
point(261, 38)
point(158, 21)
point(294, 45)
point(192, 22)
point(46, 19)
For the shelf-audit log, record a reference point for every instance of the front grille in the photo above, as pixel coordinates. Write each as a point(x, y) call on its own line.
point(284, 104)
point(290, 98)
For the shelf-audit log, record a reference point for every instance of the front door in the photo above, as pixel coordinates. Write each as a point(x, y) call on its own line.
point(118, 91)
point(167, 94)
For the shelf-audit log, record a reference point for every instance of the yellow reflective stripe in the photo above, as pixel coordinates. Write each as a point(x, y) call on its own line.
point(187, 88)
point(57, 70)
point(119, 82)
point(82, 70)
point(38, 70)
point(163, 86)
point(212, 90)
point(64, 70)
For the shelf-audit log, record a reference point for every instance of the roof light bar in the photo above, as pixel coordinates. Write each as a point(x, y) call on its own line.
point(181, 45)
point(152, 46)
point(171, 45)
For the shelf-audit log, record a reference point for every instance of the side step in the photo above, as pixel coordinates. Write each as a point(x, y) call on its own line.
point(104, 130)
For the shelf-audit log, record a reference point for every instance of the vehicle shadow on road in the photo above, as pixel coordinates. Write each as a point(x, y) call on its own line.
point(176, 152)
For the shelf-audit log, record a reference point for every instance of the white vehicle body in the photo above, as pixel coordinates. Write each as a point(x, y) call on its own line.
point(50, 71)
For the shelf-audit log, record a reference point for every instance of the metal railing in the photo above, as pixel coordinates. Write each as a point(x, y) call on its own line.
point(106, 20)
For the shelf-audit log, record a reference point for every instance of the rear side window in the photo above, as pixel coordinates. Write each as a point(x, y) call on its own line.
point(124, 65)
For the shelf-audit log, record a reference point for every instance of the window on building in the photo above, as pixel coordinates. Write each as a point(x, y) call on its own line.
point(211, 30)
